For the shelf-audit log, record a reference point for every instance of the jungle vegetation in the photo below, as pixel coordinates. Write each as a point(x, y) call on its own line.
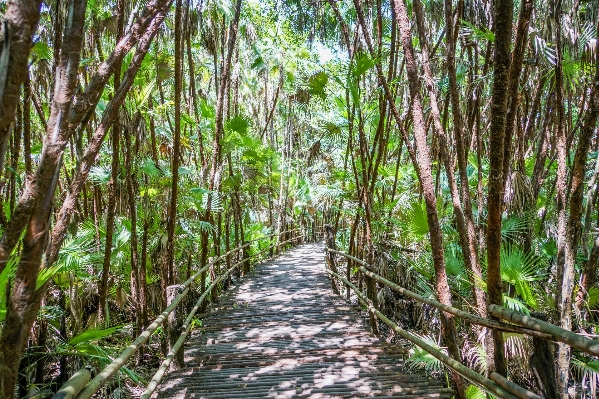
point(453, 144)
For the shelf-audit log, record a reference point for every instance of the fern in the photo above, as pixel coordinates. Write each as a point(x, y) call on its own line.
point(469, 30)
point(93, 335)
point(545, 51)
point(515, 226)
point(587, 33)
point(520, 269)
point(99, 174)
point(474, 392)
point(587, 370)
point(421, 359)
point(414, 219)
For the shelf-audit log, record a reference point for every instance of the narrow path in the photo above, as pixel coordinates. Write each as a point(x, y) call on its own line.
point(283, 334)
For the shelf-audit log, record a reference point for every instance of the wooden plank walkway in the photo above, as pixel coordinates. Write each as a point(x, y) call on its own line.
point(283, 334)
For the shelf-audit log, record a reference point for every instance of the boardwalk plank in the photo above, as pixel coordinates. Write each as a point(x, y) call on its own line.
point(283, 334)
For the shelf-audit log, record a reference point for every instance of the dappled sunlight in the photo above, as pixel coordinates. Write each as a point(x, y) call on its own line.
point(282, 334)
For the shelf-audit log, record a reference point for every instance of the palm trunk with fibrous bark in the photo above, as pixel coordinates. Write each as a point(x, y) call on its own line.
point(574, 228)
point(464, 225)
point(448, 330)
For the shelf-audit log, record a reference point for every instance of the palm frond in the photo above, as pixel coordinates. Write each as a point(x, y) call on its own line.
point(587, 370)
point(99, 174)
point(421, 359)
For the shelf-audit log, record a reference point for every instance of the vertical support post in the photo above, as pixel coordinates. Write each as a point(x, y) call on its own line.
point(371, 292)
point(175, 325)
point(330, 242)
point(246, 263)
point(542, 364)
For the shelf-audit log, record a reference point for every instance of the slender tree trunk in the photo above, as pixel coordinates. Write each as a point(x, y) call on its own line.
point(464, 224)
point(564, 269)
point(448, 331)
point(20, 22)
point(514, 83)
point(172, 214)
point(132, 205)
point(574, 226)
point(24, 298)
point(503, 14)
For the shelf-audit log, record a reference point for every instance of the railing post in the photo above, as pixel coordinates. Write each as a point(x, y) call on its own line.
point(542, 364)
point(246, 263)
point(175, 323)
point(330, 242)
point(371, 291)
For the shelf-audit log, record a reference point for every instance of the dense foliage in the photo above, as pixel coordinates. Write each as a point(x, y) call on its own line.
point(138, 139)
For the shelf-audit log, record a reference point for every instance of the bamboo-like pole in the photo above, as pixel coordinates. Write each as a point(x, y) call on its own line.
point(74, 385)
point(471, 375)
point(186, 327)
point(449, 309)
point(559, 334)
point(512, 387)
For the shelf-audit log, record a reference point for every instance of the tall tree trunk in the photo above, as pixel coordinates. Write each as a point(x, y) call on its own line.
point(574, 226)
point(19, 24)
point(172, 214)
point(111, 188)
point(448, 331)
point(503, 14)
point(24, 299)
point(564, 274)
point(132, 205)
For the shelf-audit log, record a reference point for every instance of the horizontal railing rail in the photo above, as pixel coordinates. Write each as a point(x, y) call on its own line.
point(523, 324)
point(121, 360)
point(476, 378)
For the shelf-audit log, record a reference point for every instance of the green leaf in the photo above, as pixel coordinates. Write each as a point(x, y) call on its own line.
point(317, 84)
point(549, 248)
point(474, 392)
point(362, 63)
point(258, 63)
point(183, 171)
point(92, 335)
point(238, 124)
point(149, 168)
point(42, 51)
point(207, 109)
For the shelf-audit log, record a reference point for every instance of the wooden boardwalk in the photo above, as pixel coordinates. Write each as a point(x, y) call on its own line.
point(283, 334)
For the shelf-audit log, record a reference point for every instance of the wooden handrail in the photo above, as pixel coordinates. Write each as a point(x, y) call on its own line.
point(448, 309)
point(102, 377)
point(186, 327)
point(476, 378)
point(526, 324)
point(498, 381)
point(556, 333)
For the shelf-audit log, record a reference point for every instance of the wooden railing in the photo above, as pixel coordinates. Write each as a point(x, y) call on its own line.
point(522, 324)
point(79, 385)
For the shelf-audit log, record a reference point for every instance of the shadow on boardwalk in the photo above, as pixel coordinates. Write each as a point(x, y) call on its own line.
point(283, 334)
